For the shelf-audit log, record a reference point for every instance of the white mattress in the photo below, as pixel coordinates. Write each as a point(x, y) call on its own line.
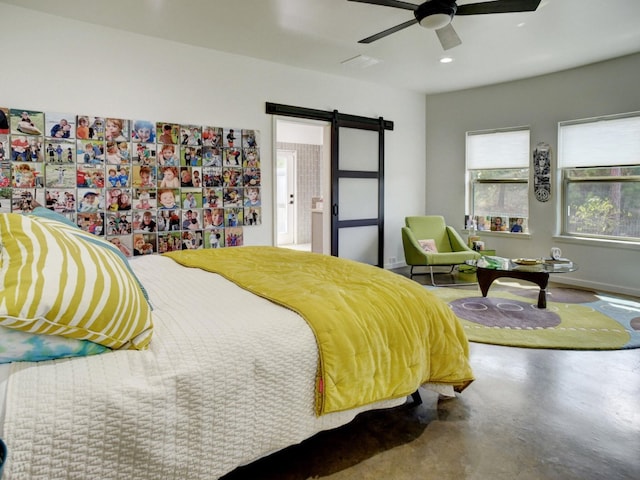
point(229, 378)
point(5, 368)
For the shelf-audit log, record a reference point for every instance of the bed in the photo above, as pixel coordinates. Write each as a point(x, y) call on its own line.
point(221, 368)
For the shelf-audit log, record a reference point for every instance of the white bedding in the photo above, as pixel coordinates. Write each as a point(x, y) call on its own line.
point(5, 368)
point(229, 378)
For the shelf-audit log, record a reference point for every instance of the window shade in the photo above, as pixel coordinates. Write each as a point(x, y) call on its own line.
point(600, 142)
point(499, 149)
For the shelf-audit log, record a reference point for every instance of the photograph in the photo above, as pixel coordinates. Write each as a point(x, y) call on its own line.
point(92, 222)
point(116, 129)
point(143, 176)
point(27, 175)
point(211, 157)
point(517, 225)
point(169, 242)
point(231, 137)
point(498, 224)
point(90, 128)
point(233, 216)
point(212, 136)
point(27, 122)
point(124, 244)
point(60, 125)
point(192, 240)
point(4, 121)
point(252, 216)
point(233, 237)
point(214, 238)
point(25, 148)
point(58, 150)
point(90, 152)
point(232, 157)
point(61, 200)
point(251, 158)
point(91, 176)
point(144, 154)
point(5, 147)
point(143, 131)
point(191, 135)
point(60, 176)
point(144, 198)
point(167, 133)
point(251, 177)
point(191, 156)
point(232, 197)
point(144, 244)
point(26, 199)
point(250, 138)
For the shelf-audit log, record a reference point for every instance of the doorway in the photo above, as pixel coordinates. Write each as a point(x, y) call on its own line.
point(301, 179)
point(354, 148)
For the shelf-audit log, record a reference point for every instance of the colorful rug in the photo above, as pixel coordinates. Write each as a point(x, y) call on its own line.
point(573, 320)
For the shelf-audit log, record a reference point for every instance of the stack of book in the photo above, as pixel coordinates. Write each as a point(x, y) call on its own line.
point(559, 263)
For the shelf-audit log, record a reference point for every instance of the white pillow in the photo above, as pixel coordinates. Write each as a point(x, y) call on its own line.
point(428, 245)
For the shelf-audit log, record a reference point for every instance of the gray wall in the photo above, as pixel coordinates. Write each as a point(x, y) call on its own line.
point(541, 102)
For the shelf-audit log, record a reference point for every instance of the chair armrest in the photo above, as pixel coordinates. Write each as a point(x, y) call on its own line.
point(413, 252)
point(457, 243)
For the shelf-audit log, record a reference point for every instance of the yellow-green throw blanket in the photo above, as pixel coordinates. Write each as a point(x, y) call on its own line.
point(380, 335)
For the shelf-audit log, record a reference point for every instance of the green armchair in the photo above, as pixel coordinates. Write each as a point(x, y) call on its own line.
point(429, 242)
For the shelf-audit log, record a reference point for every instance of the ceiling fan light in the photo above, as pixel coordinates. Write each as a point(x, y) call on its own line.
point(436, 21)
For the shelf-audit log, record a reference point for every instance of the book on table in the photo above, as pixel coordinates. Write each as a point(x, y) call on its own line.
point(560, 262)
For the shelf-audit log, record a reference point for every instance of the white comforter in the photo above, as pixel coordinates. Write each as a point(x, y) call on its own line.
point(229, 378)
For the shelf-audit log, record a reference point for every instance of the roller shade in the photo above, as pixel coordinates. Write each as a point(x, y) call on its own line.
point(605, 141)
point(498, 149)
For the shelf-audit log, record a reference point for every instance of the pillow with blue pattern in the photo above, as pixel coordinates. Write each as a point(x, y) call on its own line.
point(19, 346)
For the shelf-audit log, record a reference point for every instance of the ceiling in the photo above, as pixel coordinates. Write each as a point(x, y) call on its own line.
point(321, 34)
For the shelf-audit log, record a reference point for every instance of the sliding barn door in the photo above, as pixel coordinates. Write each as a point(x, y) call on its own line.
point(357, 181)
point(357, 193)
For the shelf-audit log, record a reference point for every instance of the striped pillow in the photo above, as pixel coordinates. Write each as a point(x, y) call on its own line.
point(55, 281)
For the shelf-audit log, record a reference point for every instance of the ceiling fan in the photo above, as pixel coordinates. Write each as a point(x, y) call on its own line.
point(437, 15)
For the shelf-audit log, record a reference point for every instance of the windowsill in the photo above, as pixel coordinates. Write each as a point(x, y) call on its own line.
point(598, 242)
point(489, 233)
point(569, 240)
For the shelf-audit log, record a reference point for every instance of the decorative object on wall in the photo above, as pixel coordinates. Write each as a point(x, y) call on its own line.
point(148, 187)
point(542, 172)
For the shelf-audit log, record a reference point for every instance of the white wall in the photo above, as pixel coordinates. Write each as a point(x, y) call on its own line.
point(541, 102)
point(54, 64)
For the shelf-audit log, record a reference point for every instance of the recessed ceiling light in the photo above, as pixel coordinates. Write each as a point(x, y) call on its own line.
point(446, 60)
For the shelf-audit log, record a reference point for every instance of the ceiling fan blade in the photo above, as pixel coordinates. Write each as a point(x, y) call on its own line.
point(389, 3)
point(498, 6)
point(388, 31)
point(448, 37)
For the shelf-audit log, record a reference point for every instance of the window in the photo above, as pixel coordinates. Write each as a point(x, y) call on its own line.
point(497, 164)
point(600, 163)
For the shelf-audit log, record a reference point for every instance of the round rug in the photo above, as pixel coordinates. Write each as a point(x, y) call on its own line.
point(573, 320)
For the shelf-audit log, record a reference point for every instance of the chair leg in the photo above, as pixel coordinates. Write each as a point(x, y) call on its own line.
point(462, 284)
point(433, 281)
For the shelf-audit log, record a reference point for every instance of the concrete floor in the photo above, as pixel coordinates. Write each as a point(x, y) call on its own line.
point(530, 414)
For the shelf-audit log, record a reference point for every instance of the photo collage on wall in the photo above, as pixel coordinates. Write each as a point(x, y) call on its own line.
point(500, 223)
point(147, 186)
